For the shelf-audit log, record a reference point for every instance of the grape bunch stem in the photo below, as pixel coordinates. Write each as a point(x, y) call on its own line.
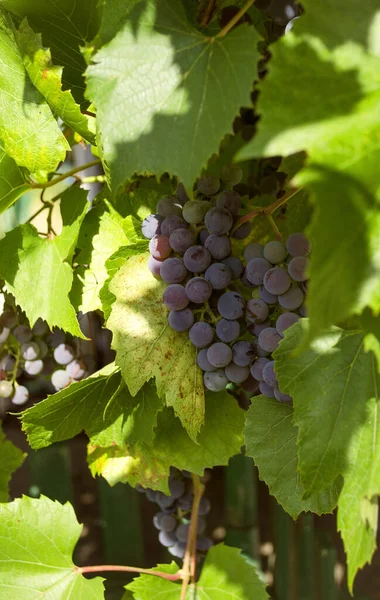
point(189, 562)
point(266, 210)
point(235, 19)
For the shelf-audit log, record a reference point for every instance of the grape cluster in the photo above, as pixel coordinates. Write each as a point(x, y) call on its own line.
point(28, 353)
point(190, 249)
point(173, 519)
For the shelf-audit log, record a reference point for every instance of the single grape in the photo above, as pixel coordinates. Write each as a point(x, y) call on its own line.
point(167, 538)
point(21, 395)
point(76, 369)
point(8, 319)
point(243, 231)
point(292, 299)
point(7, 363)
point(204, 506)
point(236, 374)
point(267, 296)
point(276, 281)
point(174, 297)
point(173, 270)
point(215, 381)
point(23, 334)
point(151, 495)
point(218, 221)
point(164, 501)
point(154, 266)
point(197, 259)
point(269, 339)
point(181, 194)
point(253, 250)
point(151, 226)
point(259, 351)
point(30, 351)
point(181, 239)
point(297, 268)
point(227, 331)
point(168, 523)
point(33, 367)
point(60, 379)
point(282, 397)
point(258, 327)
point(176, 487)
point(178, 549)
point(219, 276)
point(251, 386)
point(245, 281)
point(54, 338)
point(171, 224)
point(257, 368)
point(40, 327)
point(243, 353)
point(185, 502)
point(230, 200)
point(204, 234)
point(204, 544)
point(167, 206)
point(269, 374)
point(201, 334)
point(182, 532)
point(219, 246)
point(4, 334)
point(231, 305)
point(158, 516)
point(235, 266)
point(303, 310)
point(63, 354)
point(231, 174)
point(159, 247)
point(284, 321)
point(208, 184)
point(297, 244)
point(203, 361)
point(275, 252)
point(219, 354)
point(181, 320)
point(6, 389)
point(198, 290)
point(194, 211)
point(256, 270)
point(256, 311)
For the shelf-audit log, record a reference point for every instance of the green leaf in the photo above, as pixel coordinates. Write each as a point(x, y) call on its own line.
point(226, 574)
point(147, 347)
point(47, 79)
point(28, 129)
point(149, 463)
point(12, 183)
point(38, 271)
point(11, 459)
point(36, 561)
point(65, 26)
point(172, 123)
point(271, 440)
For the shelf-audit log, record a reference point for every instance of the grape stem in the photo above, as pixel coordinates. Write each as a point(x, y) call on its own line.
point(122, 568)
point(207, 13)
point(15, 369)
point(277, 232)
point(213, 318)
point(234, 19)
point(64, 176)
point(266, 210)
point(189, 562)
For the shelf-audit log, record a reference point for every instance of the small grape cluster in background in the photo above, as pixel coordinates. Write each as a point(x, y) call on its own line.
point(173, 519)
point(190, 249)
point(28, 354)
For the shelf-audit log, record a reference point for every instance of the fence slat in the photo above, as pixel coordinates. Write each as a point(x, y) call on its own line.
point(50, 473)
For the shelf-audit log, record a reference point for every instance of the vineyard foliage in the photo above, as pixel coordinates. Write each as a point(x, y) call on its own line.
point(158, 89)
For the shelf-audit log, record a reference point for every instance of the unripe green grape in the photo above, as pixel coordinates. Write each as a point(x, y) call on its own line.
point(194, 211)
point(6, 389)
point(231, 175)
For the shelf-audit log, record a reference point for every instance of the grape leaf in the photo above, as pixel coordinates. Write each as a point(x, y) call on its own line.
point(47, 79)
point(28, 129)
point(172, 123)
point(36, 558)
point(100, 405)
point(65, 26)
point(226, 574)
point(12, 183)
point(149, 464)
point(270, 439)
point(26, 259)
point(11, 459)
point(147, 347)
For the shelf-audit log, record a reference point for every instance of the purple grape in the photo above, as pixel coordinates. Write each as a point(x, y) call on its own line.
point(253, 250)
point(282, 397)
point(258, 327)
point(151, 226)
point(297, 244)
point(167, 206)
point(194, 211)
point(163, 501)
point(230, 200)
point(171, 224)
point(181, 320)
point(284, 321)
point(303, 310)
point(276, 281)
point(40, 327)
point(245, 281)
point(231, 305)
point(204, 234)
point(227, 331)
point(204, 544)
point(215, 381)
point(173, 270)
point(269, 374)
point(30, 350)
point(154, 266)
point(243, 231)
point(178, 549)
point(181, 194)
point(63, 354)
point(4, 334)
point(266, 390)
point(257, 368)
point(235, 266)
point(33, 367)
point(175, 297)
point(181, 239)
point(54, 338)
point(256, 311)
point(159, 247)
point(275, 252)
point(167, 523)
point(218, 221)
point(269, 339)
point(197, 259)
point(266, 296)
point(182, 532)
point(259, 351)
point(203, 361)
point(76, 369)
point(297, 268)
point(23, 334)
point(176, 487)
point(7, 363)
point(198, 290)
point(219, 276)
point(236, 374)
point(201, 334)
point(243, 353)
point(219, 246)
point(292, 299)
point(208, 184)
point(167, 538)
point(8, 319)
point(158, 516)
point(60, 379)
point(219, 354)
point(204, 506)
point(256, 270)
point(21, 395)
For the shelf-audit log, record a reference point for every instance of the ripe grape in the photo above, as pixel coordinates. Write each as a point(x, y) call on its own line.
point(76, 369)
point(269, 374)
point(22, 333)
point(197, 259)
point(151, 226)
point(4, 334)
point(204, 544)
point(173, 270)
point(284, 321)
point(256, 311)
point(215, 381)
point(243, 231)
point(257, 368)
point(276, 281)
point(243, 353)
point(236, 374)
point(167, 538)
point(282, 397)
point(164, 501)
point(258, 327)
point(21, 395)
point(176, 487)
point(172, 223)
point(33, 367)
point(256, 270)
point(208, 184)
point(230, 200)
point(6, 389)
point(182, 532)
point(174, 297)
point(40, 327)
point(253, 250)
point(203, 361)
point(231, 305)
point(219, 354)
point(154, 266)
point(275, 252)
point(181, 239)
point(235, 266)
point(54, 338)
point(194, 211)
point(7, 363)
point(198, 290)
point(8, 319)
point(231, 174)
point(269, 339)
point(303, 310)
point(297, 268)
point(201, 334)
point(167, 207)
point(30, 351)
point(297, 244)
point(227, 331)
point(60, 379)
point(63, 354)
point(204, 234)
point(159, 247)
point(292, 299)
point(219, 246)
point(181, 194)
point(167, 523)
point(219, 276)
point(218, 221)
point(204, 506)
point(267, 296)
point(178, 549)
point(181, 320)
point(266, 389)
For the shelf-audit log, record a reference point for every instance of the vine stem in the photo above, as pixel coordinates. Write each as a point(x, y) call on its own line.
point(235, 19)
point(122, 568)
point(266, 210)
point(207, 13)
point(64, 176)
point(189, 562)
